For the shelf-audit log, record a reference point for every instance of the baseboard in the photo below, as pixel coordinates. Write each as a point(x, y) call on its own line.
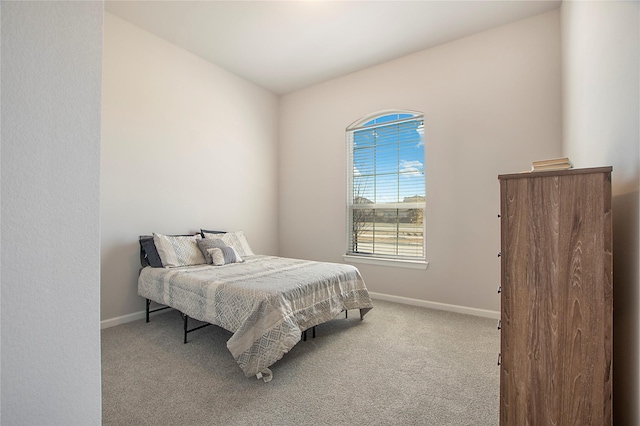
point(437, 305)
point(112, 322)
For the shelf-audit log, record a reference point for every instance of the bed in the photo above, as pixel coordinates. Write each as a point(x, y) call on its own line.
point(266, 302)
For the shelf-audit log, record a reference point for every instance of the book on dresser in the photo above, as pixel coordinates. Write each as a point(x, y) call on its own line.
point(552, 164)
point(556, 335)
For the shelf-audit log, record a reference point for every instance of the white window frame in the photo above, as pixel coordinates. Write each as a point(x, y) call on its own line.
point(372, 258)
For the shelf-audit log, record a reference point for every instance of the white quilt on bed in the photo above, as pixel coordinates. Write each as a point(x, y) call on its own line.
point(266, 302)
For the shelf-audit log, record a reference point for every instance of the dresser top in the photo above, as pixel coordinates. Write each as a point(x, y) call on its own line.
point(544, 173)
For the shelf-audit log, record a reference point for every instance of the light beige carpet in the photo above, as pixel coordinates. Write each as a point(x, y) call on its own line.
point(402, 365)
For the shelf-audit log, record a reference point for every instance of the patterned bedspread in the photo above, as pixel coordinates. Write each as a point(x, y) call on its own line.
point(266, 302)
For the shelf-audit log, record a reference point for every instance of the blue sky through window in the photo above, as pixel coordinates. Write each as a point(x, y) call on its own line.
point(388, 159)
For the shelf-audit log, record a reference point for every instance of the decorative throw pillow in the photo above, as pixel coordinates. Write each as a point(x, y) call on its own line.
point(224, 255)
point(205, 244)
point(179, 250)
point(236, 239)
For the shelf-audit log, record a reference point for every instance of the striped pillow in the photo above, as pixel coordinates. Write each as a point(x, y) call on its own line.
point(208, 243)
point(224, 255)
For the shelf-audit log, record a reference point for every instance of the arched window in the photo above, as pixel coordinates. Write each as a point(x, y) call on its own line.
point(386, 186)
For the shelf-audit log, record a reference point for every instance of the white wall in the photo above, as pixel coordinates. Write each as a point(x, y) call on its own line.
point(492, 104)
point(185, 145)
point(601, 89)
point(50, 167)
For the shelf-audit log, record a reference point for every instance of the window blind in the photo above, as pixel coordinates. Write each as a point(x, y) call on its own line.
point(386, 188)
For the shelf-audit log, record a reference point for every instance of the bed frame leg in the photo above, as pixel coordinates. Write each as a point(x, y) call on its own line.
point(149, 311)
point(304, 334)
point(346, 313)
point(186, 321)
point(185, 318)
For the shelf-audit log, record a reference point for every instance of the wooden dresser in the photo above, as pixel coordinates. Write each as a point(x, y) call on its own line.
point(556, 298)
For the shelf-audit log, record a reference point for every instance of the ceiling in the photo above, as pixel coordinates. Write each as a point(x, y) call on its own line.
point(284, 46)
